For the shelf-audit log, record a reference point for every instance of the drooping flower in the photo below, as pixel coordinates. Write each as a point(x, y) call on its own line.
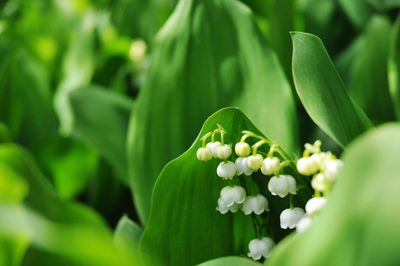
point(255, 161)
point(223, 208)
point(260, 248)
point(303, 224)
point(204, 154)
point(270, 165)
point(320, 182)
point(231, 195)
point(224, 151)
point(290, 217)
point(282, 185)
point(332, 168)
point(242, 149)
point(213, 147)
point(255, 204)
point(242, 167)
point(226, 170)
point(314, 205)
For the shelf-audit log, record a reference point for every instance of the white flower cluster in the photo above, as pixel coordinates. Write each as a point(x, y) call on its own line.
point(324, 168)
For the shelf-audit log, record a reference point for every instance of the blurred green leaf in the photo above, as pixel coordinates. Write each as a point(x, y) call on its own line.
point(394, 67)
point(322, 91)
point(127, 234)
point(358, 11)
point(184, 228)
point(209, 54)
point(365, 233)
point(4, 133)
point(90, 104)
point(368, 84)
point(231, 261)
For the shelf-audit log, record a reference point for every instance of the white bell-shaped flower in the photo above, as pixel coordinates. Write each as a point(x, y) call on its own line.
point(260, 248)
point(270, 165)
point(307, 165)
point(303, 224)
point(290, 217)
point(224, 151)
point(242, 149)
point(231, 195)
point(242, 167)
point(314, 205)
point(255, 204)
point(282, 185)
point(213, 146)
point(332, 168)
point(320, 182)
point(204, 154)
point(223, 208)
point(226, 170)
point(255, 161)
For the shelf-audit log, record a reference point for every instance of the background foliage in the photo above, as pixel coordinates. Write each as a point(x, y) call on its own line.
point(87, 126)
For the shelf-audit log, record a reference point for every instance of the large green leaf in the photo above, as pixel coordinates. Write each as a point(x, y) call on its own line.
point(394, 67)
point(184, 228)
point(368, 84)
point(365, 232)
point(231, 261)
point(90, 104)
point(322, 91)
point(209, 54)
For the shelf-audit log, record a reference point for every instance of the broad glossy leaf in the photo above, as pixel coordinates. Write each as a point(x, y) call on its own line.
point(209, 54)
point(90, 104)
point(184, 227)
point(127, 234)
point(231, 261)
point(394, 67)
point(322, 92)
point(364, 232)
point(368, 84)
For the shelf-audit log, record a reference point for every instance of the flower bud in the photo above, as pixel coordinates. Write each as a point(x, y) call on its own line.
point(303, 224)
point(319, 182)
point(255, 161)
point(224, 151)
point(256, 204)
point(242, 149)
point(282, 185)
point(290, 217)
point(307, 166)
point(332, 168)
point(260, 248)
point(204, 154)
point(231, 195)
point(242, 167)
point(213, 147)
point(270, 165)
point(226, 170)
point(314, 205)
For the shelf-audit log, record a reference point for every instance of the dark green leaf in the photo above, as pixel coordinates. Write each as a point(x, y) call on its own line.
point(210, 54)
point(394, 67)
point(90, 104)
point(365, 233)
point(322, 91)
point(358, 11)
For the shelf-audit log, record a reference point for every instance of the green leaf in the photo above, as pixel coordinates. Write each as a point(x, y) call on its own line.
point(368, 84)
point(209, 54)
point(322, 91)
point(184, 228)
point(231, 261)
point(394, 67)
point(4, 133)
point(358, 11)
point(90, 104)
point(127, 234)
point(365, 233)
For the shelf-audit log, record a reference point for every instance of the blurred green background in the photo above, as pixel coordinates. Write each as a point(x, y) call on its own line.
point(97, 96)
